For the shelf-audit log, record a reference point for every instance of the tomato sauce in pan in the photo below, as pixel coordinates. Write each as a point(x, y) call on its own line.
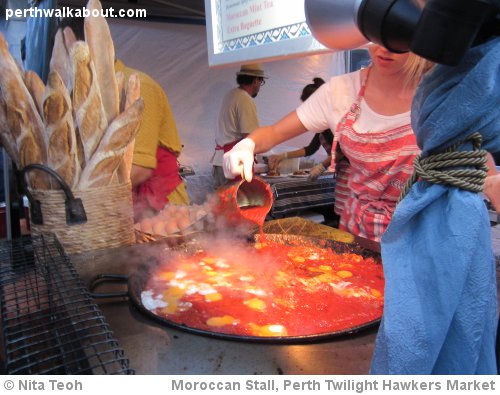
point(267, 290)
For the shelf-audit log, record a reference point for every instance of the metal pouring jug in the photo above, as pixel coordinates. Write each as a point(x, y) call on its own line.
point(242, 202)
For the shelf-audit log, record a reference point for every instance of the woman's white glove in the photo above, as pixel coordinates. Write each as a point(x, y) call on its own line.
point(239, 161)
point(316, 171)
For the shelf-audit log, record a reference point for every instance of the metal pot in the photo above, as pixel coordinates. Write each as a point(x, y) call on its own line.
point(242, 202)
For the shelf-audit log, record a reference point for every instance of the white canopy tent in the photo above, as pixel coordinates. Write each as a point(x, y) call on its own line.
point(176, 56)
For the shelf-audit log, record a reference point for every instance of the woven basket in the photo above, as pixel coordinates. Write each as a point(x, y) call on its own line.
point(109, 218)
point(108, 210)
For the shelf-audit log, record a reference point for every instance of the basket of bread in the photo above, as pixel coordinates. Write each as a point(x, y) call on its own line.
point(72, 138)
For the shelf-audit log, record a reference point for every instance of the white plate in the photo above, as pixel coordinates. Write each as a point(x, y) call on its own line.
point(264, 175)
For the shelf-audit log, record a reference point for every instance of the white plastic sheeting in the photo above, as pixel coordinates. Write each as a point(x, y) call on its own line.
point(176, 56)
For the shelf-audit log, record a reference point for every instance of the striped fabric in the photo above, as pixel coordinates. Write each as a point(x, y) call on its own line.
point(380, 163)
point(292, 195)
point(342, 191)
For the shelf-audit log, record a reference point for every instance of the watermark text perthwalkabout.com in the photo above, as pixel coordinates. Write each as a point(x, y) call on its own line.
point(68, 12)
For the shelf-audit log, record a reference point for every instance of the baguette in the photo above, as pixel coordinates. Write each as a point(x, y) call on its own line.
point(69, 39)
point(125, 169)
point(133, 90)
point(120, 81)
point(101, 169)
point(87, 104)
point(60, 131)
point(102, 52)
point(23, 119)
point(60, 60)
point(36, 88)
point(121, 173)
point(132, 95)
point(6, 138)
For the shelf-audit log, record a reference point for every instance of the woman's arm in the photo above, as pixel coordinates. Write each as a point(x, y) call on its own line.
point(298, 153)
point(239, 161)
point(320, 168)
point(327, 162)
point(267, 137)
point(313, 146)
point(275, 160)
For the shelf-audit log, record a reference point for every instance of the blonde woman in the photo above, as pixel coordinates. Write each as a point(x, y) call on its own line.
point(369, 112)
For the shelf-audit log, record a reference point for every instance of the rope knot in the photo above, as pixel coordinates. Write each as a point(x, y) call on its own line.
point(462, 169)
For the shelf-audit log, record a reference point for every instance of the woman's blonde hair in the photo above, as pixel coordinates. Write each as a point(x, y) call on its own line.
point(415, 67)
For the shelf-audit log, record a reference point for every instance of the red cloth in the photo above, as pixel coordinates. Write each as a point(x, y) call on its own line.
point(227, 147)
point(153, 193)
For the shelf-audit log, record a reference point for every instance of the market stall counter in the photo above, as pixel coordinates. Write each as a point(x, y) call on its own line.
point(157, 349)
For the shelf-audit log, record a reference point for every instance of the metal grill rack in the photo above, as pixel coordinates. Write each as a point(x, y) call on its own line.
point(49, 322)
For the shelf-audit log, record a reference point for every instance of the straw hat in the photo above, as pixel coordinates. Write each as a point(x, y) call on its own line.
point(253, 70)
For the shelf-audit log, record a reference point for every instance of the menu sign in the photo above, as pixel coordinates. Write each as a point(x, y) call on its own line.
point(248, 30)
point(246, 17)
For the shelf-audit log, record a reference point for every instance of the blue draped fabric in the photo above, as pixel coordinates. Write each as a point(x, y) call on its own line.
point(40, 33)
point(441, 306)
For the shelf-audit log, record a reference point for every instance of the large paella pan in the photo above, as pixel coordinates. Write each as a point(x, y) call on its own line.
point(283, 288)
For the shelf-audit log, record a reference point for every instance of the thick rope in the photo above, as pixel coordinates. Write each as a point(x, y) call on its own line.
point(442, 168)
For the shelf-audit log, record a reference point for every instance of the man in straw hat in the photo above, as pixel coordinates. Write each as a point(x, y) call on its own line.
point(238, 115)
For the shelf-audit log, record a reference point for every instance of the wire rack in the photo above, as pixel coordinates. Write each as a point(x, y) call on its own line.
point(49, 322)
